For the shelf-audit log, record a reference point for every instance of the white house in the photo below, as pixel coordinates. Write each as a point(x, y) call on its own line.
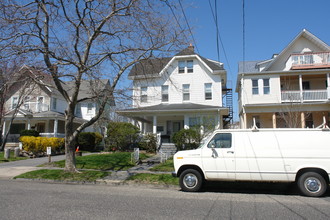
point(43, 107)
point(178, 92)
point(289, 90)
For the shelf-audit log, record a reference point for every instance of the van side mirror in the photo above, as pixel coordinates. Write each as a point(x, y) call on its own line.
point(212, 145)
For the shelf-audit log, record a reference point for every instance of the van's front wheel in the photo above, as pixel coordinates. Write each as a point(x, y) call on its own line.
point(312, 184)
point(191, 180)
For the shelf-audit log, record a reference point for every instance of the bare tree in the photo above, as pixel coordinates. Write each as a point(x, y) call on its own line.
point(87, 39)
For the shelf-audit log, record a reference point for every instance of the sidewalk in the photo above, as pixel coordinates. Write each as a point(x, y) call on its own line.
point(9, 170)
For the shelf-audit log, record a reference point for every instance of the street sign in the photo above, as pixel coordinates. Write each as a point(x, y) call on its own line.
point(49, 150)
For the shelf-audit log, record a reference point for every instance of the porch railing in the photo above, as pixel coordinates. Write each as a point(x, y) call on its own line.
point(60, 135)
point(306, 95)
point(310, 59)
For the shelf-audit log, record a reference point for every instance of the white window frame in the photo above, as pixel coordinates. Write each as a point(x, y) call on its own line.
point(190, 66)
point(90, 107)
point(54, 103)
point(208, 91)
point(266, 87)
point(165, 95)
point(14, 102)
point(186, 92)
point(255, 88)
point(78, 109)
point(144, 94)
point(181, 66)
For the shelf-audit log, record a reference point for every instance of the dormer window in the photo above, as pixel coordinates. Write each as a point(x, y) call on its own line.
point(186, 66)
point(144, 94)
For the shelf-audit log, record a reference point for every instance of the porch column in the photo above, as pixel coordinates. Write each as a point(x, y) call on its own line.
point(143, 128)
point(4, 128)
point(302, 117)
point(28, 124)
point(274, 120)
point(301, 88)
point(186, 122)
point(55, 127)
point(220, 121)
point(244, 123)
point(328, 84)
point(154, 126)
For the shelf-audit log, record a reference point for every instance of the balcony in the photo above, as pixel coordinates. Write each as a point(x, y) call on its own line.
point(310, 61)
point(305, 95)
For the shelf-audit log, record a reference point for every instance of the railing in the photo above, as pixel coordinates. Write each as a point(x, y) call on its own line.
point(60, 135)
point(307, 95)
point(35, 107)
point(310, 60)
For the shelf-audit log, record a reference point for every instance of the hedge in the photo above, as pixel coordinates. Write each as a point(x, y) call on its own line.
point(39, 145)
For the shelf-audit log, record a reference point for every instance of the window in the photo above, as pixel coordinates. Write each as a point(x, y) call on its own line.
point(26, 104)
point(306, 85)
point(160, 128)
point(182, 65)
point(194, 121)
point(190, 66)
point(164, 93)
point(54, 103)
point(14, 102)
point(266, 86)
point(89, 108)
point(220, 141)
point(186, 92)
point(144, 96)
point(208, 91)
point(78, 109)
point(186, 66)
point(255, 87)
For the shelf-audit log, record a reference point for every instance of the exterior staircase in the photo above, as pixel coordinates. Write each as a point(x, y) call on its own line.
point(168, 148)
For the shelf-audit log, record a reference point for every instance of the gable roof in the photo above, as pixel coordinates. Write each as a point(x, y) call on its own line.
point(304, 33)
point(154, 66)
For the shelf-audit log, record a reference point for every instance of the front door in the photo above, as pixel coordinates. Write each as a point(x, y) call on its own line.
point(176, 126)
point(219, 157)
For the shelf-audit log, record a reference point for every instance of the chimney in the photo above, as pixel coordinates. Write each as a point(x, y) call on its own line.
point(191, 48)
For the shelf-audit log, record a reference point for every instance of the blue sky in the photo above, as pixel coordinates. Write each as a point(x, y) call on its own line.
point(269, 27)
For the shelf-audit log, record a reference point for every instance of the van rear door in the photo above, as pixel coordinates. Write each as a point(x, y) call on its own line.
point(218, 157)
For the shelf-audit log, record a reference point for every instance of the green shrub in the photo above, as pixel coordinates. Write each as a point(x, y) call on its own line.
point(122, 135)
point(148, 143)
point(98, 138)
point(86, 141)
point(33, 133)
point(186, 139)
point(38, 145)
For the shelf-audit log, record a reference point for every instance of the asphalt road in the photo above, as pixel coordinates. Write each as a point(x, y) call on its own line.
point(35, 200)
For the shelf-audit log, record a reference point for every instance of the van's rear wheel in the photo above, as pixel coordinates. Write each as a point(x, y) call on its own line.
point(312, 184)
point(191, 180)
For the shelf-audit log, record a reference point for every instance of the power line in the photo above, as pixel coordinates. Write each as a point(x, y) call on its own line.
point(243, 7)
point(219, 37)
point(185, 17)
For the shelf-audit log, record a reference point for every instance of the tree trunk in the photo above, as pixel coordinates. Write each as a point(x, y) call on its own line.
point(70, 145)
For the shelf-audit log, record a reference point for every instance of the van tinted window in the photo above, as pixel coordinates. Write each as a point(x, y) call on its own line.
point(220, 141)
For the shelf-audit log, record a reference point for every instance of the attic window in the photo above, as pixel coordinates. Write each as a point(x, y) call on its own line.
point(186, 66)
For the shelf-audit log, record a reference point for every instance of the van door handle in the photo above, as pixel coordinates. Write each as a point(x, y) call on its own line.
point(230, 152)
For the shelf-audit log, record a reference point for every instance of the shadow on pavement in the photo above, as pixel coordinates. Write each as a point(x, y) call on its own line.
point(254, 188)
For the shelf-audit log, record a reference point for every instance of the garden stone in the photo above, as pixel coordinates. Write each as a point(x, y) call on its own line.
point(7, 153)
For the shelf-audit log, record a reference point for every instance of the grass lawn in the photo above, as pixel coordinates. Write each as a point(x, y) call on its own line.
point(168, 166)
point(155, 178)
point(62, 175)
point(115, 161)
point(11, 158)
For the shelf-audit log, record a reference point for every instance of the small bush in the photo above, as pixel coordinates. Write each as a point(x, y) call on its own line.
point(186, 139)
point(33, 133)
point(86, 141)
point(122, 135)
point(149, 143)
point(38, 145)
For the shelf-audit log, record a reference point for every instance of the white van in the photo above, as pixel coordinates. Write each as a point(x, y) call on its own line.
point(276, 155)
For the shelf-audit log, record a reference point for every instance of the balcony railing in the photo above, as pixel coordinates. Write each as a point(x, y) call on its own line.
point(35, 107)
point(310, 60)
point(306, 95)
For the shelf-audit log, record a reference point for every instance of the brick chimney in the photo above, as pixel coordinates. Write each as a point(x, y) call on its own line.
point(191, 48)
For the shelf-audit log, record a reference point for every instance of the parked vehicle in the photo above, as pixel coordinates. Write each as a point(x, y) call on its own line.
point(276, 155)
